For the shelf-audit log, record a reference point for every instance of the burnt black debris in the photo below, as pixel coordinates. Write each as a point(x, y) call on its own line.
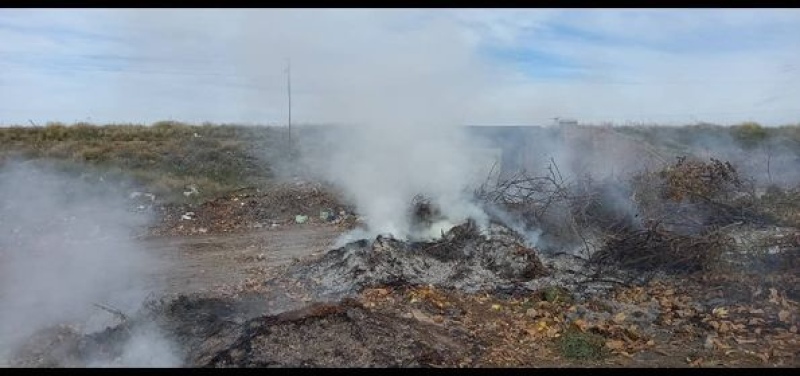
point(341, 335)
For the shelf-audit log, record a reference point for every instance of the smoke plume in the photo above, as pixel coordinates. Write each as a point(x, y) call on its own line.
point(66, 245)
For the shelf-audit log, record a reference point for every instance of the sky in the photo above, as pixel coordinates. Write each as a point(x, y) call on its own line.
point(460, 66)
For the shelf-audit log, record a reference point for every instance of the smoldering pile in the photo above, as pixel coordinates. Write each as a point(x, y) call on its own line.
point(465, 258)
point(498, 258)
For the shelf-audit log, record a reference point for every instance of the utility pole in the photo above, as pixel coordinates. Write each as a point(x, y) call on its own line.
point(289, 93)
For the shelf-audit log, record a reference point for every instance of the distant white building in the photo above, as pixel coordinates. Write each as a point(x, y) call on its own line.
point(565, 121)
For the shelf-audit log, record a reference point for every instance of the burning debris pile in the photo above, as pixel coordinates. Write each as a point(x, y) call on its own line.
point(464, 258)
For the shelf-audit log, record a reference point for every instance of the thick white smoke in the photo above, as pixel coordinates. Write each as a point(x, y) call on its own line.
point(382, 167)
point(402, 119)
point(65, 245)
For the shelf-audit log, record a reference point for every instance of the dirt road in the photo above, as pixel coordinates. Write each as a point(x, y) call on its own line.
point(206, 262)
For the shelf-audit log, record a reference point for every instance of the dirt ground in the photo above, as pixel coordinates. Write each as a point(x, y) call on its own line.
point(204, 263)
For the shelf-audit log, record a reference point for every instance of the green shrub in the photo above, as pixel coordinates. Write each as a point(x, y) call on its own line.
point(574, 344)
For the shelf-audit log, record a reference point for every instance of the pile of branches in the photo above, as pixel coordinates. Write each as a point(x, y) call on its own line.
point(653, 249)
point(693, 196)
point(671, 220)
point(566, 210)
point(696, 180)
point(685, 210)
point(526, 192)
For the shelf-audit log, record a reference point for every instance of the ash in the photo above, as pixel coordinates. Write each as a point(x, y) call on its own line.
point(464, 258)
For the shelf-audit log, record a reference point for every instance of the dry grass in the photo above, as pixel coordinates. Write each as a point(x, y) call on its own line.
point(165, 157)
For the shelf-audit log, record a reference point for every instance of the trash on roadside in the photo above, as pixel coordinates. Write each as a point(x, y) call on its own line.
point(192, 190)
point(326, 215)
point(137, 194)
